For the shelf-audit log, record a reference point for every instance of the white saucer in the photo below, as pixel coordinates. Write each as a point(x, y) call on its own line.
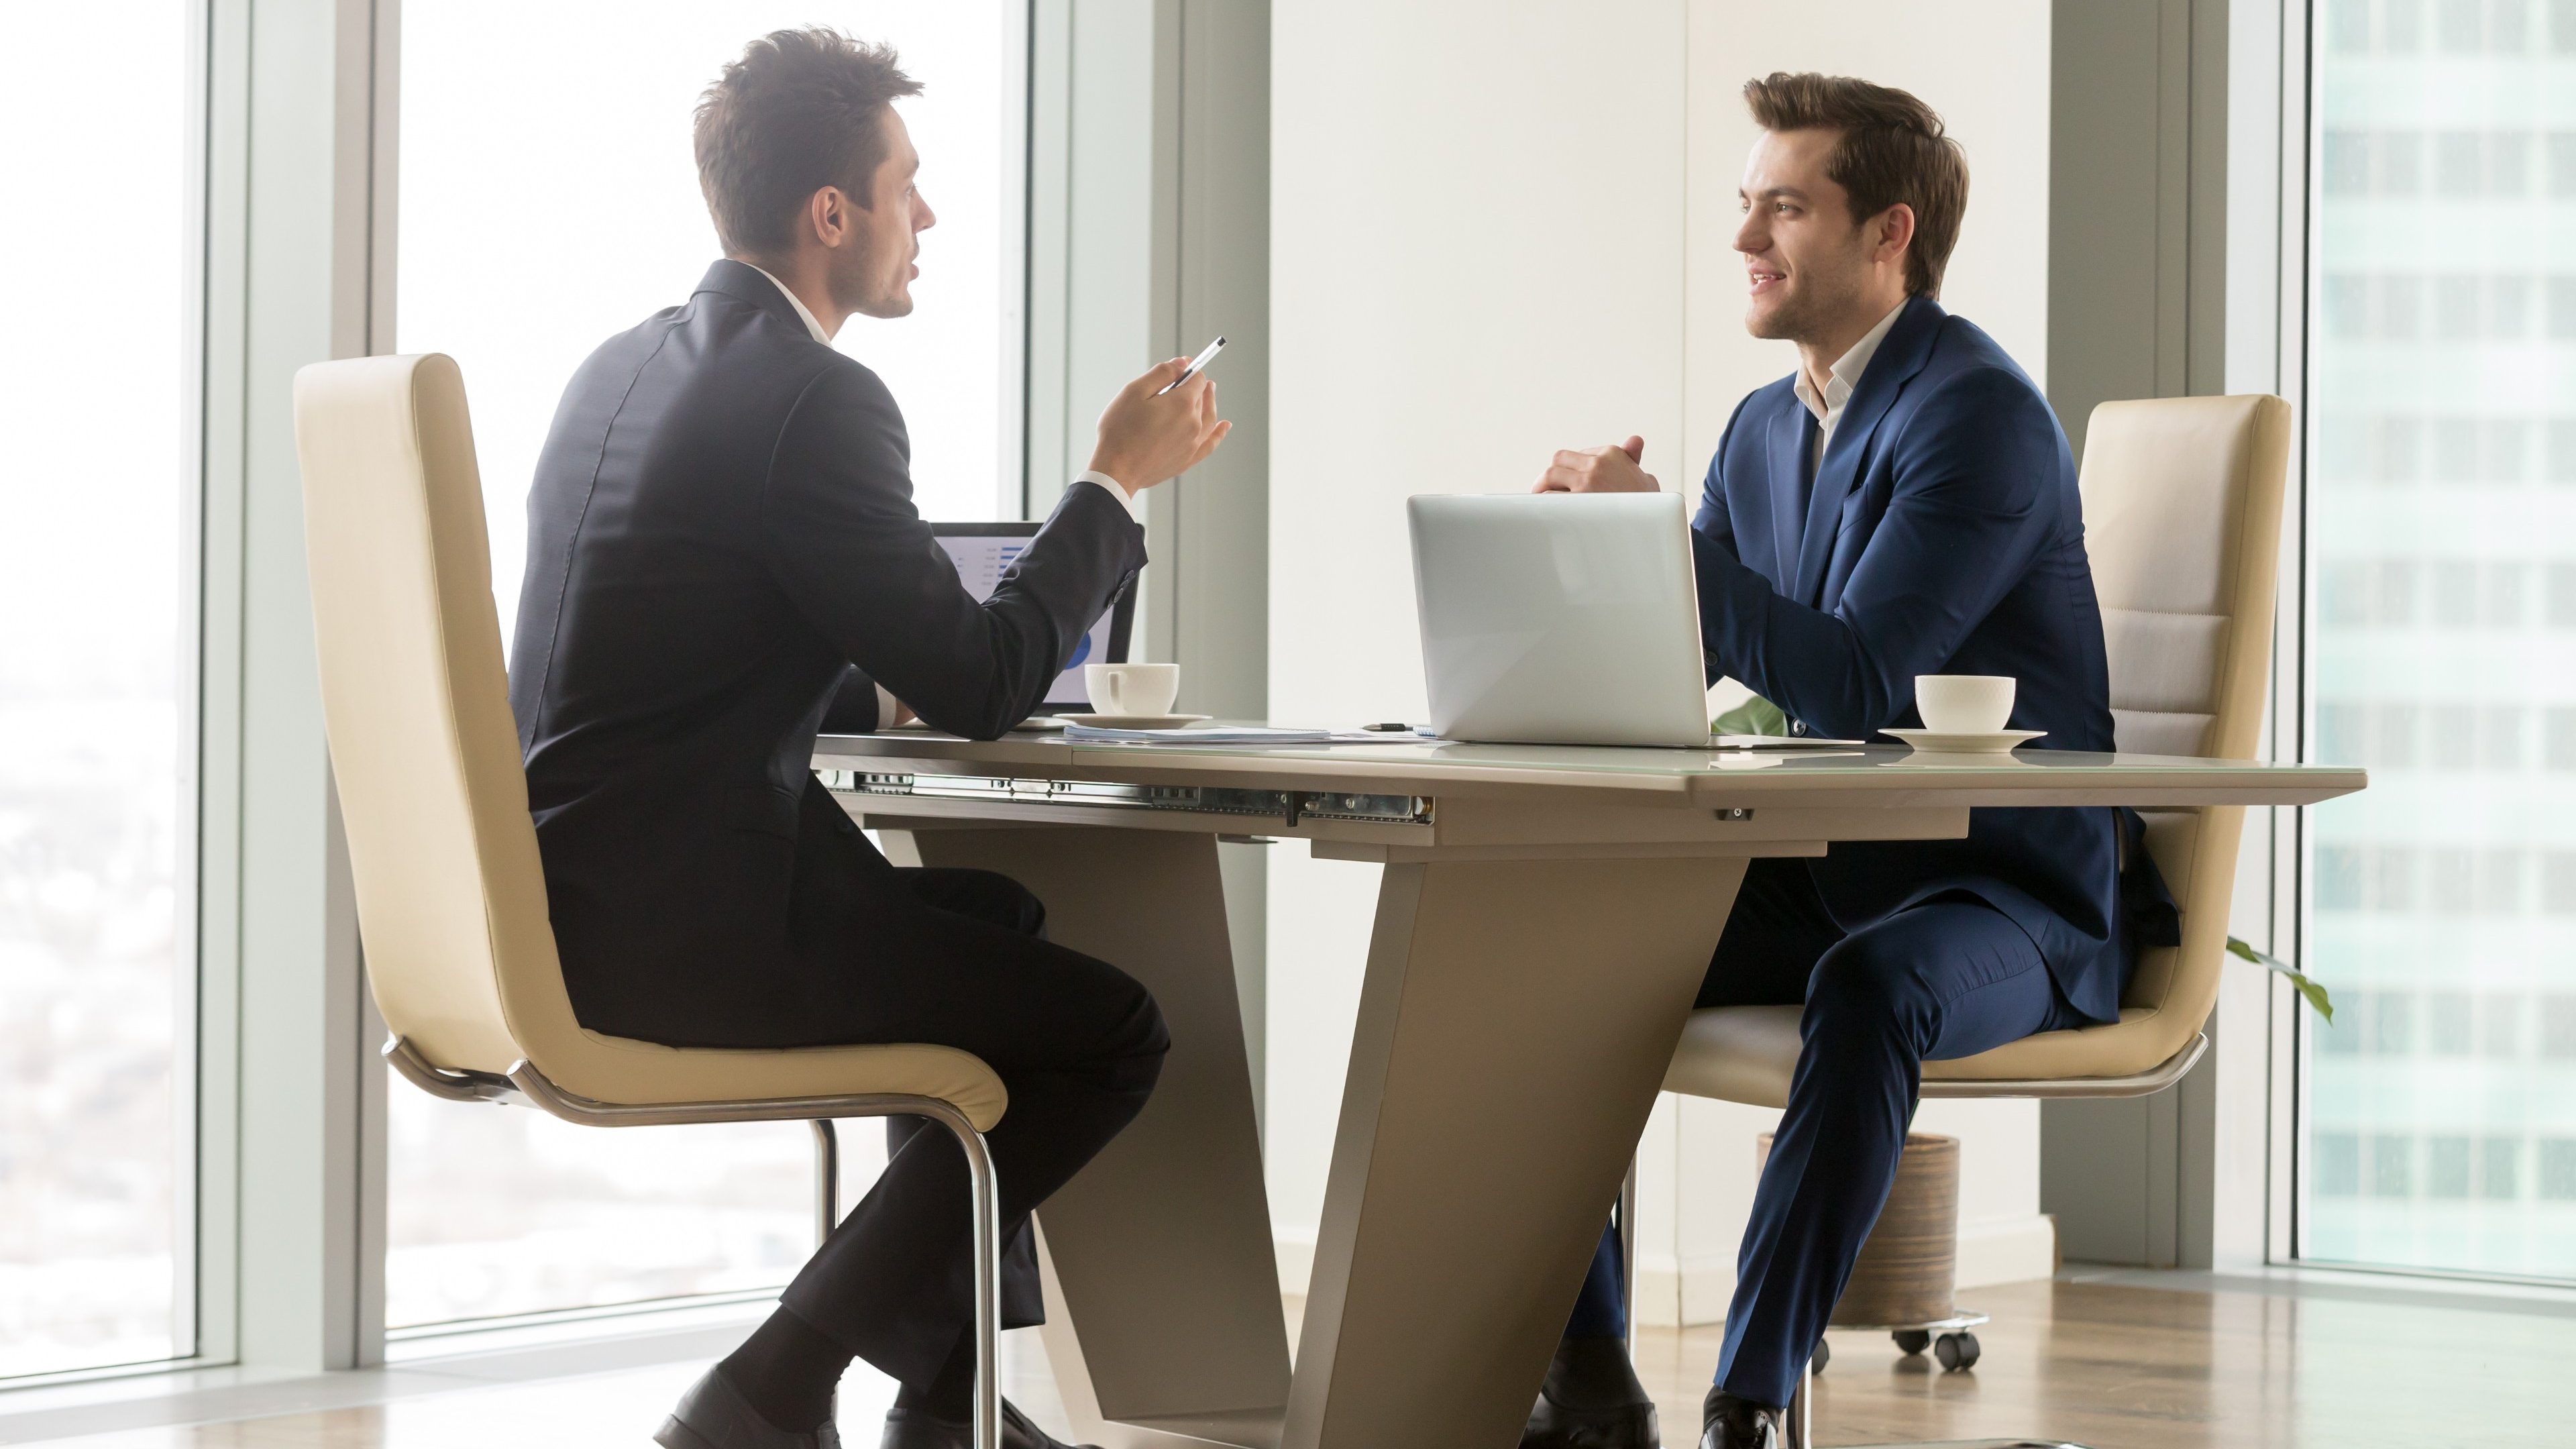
point(1133, 721)
point(1994, 742)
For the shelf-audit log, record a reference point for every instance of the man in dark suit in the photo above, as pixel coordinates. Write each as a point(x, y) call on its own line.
point(723, 559)
point(1903, 504)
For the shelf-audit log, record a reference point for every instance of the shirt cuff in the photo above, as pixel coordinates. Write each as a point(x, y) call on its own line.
point(886, 707)
point(1125, 499)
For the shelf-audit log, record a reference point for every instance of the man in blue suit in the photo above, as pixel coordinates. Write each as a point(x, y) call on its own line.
point(1902, 504)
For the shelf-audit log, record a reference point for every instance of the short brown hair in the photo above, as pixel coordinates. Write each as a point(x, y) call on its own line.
point(801, 110)
point(1893, 149)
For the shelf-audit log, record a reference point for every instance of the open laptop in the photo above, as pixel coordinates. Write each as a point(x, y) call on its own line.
point(1551, 618)
point(982, 551)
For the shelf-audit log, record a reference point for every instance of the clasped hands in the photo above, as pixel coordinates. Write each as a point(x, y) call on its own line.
point(1598, 470)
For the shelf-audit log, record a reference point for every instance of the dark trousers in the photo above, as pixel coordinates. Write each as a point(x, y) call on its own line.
point(962, 961)
point(1948, 978)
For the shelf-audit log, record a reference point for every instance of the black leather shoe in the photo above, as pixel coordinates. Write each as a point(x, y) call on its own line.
point(1591, 1400)
point(1554, 1426)
point(713, 1414)
point(915, 1429)
point(1734, 1423)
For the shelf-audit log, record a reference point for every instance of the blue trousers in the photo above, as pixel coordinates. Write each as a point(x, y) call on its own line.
point(1948, 978)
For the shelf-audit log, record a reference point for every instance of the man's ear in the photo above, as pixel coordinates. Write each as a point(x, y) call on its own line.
point(1895, 228)
point(827, 212)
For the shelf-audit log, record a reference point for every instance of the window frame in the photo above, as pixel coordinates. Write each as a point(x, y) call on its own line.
point(2294, 1041)
point(202, 1266)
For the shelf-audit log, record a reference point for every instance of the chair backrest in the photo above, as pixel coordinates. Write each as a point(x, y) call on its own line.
point(2182, 518)
point(451, 896)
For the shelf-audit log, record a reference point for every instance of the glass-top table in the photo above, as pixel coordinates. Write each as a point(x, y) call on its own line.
point(1886, 772)
point(1544, 918)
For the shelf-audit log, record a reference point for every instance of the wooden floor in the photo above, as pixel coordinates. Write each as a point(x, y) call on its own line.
point(2104, 1364)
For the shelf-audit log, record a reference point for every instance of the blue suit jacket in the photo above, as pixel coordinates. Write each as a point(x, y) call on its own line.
point(1942, 535)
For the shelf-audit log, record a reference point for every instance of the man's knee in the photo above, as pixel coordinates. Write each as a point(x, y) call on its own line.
point(984, 895)
point(1135, 1039)
point(1007, 903)
point(1867, 986)
point(1155, 1040)
point(1152, 1037)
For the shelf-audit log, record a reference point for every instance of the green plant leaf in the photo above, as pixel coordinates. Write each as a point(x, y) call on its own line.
point(1756, 716)
point(2313, 991)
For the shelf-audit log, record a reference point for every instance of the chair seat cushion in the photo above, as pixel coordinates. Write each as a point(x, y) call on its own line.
point(626, 1072)
point(1747, 1053)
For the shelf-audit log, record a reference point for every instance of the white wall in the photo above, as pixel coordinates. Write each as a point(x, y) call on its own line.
point(1498, 229)
point(1476, 254)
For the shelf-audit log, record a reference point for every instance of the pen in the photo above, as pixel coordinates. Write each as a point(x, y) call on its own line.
point(1197, 365)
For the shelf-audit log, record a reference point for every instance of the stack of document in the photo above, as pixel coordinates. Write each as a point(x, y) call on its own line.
point(1210, 735)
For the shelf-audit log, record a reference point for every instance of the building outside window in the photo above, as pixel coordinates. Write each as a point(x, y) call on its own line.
point(2440, 1125)
point(548, 200)
point(99, 491)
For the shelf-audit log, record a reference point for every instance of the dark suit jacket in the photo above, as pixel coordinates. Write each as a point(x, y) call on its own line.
point(722, 547)
point(1942, 535)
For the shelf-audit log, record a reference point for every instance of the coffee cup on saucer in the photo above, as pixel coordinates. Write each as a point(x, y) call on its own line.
point(1964, 714)
point(1964, 704)
point(1131, 691)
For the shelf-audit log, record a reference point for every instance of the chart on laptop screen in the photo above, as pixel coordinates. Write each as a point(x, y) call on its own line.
point(982, 559)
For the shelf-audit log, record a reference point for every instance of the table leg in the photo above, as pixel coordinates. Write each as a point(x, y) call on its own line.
point(1514, 1026)
point(1160, 1249)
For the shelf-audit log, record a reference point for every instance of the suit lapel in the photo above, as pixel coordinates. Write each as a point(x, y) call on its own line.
point(1900, 355)
point(1789, 435)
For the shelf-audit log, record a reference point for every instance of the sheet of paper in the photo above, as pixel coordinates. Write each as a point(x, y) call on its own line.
point(1780, 742)
point(1234, 735)
point(1220, 735)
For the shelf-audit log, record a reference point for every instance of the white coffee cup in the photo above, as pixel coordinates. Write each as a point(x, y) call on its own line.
point(1135, 689)
point(1964, 704)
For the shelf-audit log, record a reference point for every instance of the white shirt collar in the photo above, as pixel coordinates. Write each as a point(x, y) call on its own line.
point(1844, 376)
point(811, 325)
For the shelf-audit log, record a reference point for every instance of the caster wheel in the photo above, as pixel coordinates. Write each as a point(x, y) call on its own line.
point(1957, 1351)
point(1824, 1356)
point(1911, 1340)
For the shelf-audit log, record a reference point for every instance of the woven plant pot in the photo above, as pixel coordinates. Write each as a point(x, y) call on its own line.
point(1907, 1272)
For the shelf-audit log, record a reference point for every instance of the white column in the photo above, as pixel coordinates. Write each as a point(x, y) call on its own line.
point(298, 241)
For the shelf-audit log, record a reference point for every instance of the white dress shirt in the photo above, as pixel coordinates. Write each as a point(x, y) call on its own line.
point(886, 702)
point(1839, 383)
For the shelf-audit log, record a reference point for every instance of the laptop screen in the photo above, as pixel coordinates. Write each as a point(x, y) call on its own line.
point(982, 551)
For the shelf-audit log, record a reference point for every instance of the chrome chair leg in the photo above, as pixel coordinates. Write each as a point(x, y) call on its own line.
point(525, 1083)
point(827, 1179)
point(988, 1275)
point(1627, 1212)
point(1802, 1408)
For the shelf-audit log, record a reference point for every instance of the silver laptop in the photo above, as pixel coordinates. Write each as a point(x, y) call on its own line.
point(1552, 618)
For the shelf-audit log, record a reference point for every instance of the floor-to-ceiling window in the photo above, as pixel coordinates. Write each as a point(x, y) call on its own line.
point(2441, 1106)
point(548, 199)
point(98, 506)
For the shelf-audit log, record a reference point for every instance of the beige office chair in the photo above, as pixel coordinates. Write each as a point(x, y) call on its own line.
point(451, 898)
point(2182, 517)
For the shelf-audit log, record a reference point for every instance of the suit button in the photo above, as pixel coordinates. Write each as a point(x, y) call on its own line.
point(1797, 727)
point(846, 825)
